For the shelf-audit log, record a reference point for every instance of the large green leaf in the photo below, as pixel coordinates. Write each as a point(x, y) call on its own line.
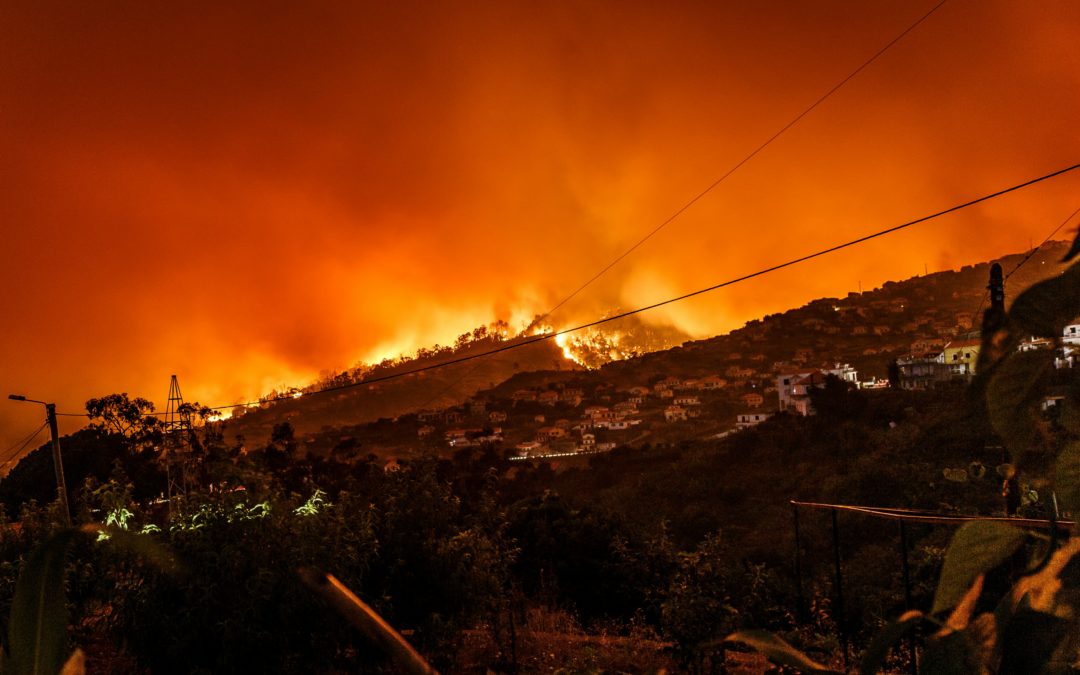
point(777, 650)
point(1014, 390)
point(977, 547)
point(38, 628)
point(892, 633)
point(1048, 306)
point(1067, 478)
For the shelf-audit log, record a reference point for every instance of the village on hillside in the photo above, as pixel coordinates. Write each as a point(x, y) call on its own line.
point(563, 420)
point(914, 334)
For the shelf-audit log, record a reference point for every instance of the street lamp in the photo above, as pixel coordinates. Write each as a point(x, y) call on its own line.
point(58, 464)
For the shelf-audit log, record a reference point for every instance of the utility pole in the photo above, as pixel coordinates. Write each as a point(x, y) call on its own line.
point(58, 463)
point(996, 288)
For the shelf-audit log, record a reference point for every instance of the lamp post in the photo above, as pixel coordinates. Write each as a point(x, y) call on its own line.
point(58, 464)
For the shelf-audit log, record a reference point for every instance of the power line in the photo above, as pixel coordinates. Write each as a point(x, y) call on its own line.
point(608, 319)
point(32, 434)
point(768, 270)
point(714, 184)
point(982, 300)
point(1036, 249)
point(744, 160)
point(11, 456)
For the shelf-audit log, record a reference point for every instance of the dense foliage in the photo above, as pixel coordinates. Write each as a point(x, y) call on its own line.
point(661, 551)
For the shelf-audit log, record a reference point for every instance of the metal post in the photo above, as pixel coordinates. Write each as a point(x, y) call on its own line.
point(58, 464)
point(841, 623)
point(913, 655)
point(800, 607)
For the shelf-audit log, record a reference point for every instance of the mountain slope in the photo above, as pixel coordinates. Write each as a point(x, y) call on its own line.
point(866, 329)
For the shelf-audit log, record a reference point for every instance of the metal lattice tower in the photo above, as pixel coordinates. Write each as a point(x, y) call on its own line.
point(175, 447)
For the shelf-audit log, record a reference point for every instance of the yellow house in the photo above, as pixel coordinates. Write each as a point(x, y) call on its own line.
point(960, 356)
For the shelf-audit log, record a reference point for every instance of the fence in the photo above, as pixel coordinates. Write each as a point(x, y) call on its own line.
point(903, 517)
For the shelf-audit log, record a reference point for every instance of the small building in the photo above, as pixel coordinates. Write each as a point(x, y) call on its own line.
point(1071, 334)
point(548, 397)
point(737, 371)
point(922, 371)
point(454, 434)
point(926, 345)
point(711, 382)
point(750, 419)
point(674, 413)
point(753, 400)
point(961, 356)
point(669, 382)
point(529, 448)
point(550, 433)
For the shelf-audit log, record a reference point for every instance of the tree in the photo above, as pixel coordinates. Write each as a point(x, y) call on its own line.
point(119, 414)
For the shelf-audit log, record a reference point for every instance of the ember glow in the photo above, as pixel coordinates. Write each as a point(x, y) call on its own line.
point(248, 194)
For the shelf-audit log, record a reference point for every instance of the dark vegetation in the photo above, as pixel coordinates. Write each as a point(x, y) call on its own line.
point(469, 554)
point(661, 550)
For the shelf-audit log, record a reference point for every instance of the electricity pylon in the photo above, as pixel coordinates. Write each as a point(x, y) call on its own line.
point(175, 429)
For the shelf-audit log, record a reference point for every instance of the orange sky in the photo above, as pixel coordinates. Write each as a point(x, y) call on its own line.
point(245, 194)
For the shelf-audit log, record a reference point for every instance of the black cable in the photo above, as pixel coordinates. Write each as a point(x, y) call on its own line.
point(714, 184)
point(608, 319)
point(1036, 249)
point(9, 456)
point(982, 300)
point(744, 160)
point(730, 282)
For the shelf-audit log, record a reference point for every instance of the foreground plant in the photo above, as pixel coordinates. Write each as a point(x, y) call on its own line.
point(1034, 625)
point(37, 626)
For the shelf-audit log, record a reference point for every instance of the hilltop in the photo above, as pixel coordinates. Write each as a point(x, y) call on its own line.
point(866, 330)
point(438, 387)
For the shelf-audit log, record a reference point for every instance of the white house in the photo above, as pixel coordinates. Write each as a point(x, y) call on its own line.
point(747, 420)
point(1071, 335)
